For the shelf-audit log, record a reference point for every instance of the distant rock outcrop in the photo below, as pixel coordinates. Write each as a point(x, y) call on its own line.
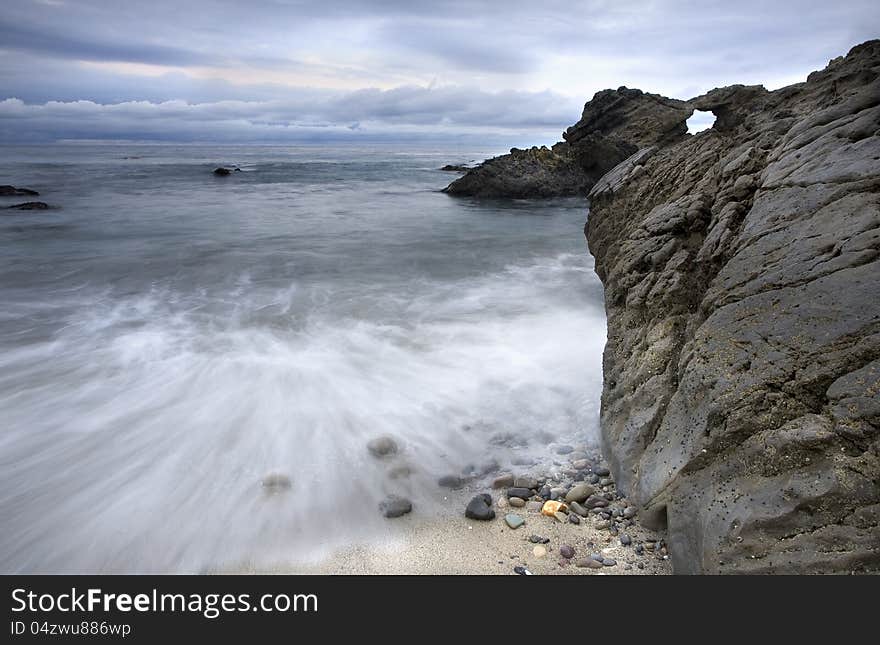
point(29, 206)
point(741, 401)
point(614, 125)
point(12, 191)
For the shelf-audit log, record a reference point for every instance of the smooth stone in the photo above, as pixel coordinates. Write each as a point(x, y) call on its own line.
point(574, 519)
point(383, 446)
point(513, 520)
point(480, 508)
point(545, 493)
point(518, 502)
point(577, 508)
point(450, 481)
point(566, 551)
point(534, 505)
point(503, 481)
point(564, 449)
point(394, 506)
point(580, 464)
point(597, 557)
point(557, 493)
point(606, 481)
point(579, 493)
point(595, 501)
point(588, 563)
point(625, 540)
point(609, 562)
point(539, 551)
point(594, 478)
point(629, 512)
point(522, 493)
point(525, 482)
point(602, 471)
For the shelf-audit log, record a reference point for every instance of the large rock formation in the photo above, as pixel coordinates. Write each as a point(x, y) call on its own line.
point(741, 402)
point(614, 125)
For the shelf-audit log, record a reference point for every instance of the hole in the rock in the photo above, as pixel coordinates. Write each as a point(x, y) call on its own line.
point(700, 121)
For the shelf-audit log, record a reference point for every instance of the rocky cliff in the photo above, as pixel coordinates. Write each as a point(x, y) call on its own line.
point(614, 125)
point(741, 402)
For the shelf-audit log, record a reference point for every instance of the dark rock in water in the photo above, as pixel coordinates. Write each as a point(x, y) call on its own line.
point(602, 471)
point(564, 449)
point(12, 191)
point(740, 269)
point(566, 551)
point(222, 172)
point(456, 168)
point(275, 483)
point(29, 206)
point(394, 506)
point(522, 493)
point(594, 478)
point(383, 446)
point(450, 481)
point(480, 508)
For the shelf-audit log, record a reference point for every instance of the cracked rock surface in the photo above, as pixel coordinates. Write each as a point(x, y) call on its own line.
point(741, 401)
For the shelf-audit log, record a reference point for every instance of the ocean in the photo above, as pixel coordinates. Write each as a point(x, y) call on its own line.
point(168, 338)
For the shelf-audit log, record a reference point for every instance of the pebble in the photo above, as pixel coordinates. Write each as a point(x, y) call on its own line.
point(640, 549)
point(602, 471)
point(609, 562)
point(518, 502)
point(588, 563)
point(579, 493)
point(525, 482)
point(580, 464)
point(450, 481)
point(513, 520)
point(503, 481)
point(594, 501)
point(597, 557)
point(480, 508)
point(606, 481)
point(275, 483)
point(574, 519)
point(537, 539)
point(641, 565)
point(557, 493)
point(601, 526)
point(539, 551)
point(382, 446)
point(625, 540)
point(594, 479)
point(567, 551)
point(522, 493)
point(629, 512)
point(564, 449)
point(534, 505)
point(545, 493)
point(394, 506)
point(577, 508)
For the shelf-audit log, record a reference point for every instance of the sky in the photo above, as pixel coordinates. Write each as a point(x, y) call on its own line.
point(288, 70)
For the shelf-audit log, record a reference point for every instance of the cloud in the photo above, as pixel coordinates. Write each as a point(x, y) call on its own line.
point(337, 63)
point(364, 113)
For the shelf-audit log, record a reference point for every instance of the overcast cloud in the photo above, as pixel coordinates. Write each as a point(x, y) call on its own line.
point(287, 70)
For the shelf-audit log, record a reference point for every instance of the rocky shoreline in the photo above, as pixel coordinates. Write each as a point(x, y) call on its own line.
point(742, 368)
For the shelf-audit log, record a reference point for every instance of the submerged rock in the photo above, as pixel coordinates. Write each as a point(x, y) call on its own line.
point(12, 191)
point(383, 446)
point(275, 483)
point(394, 506)
point(29, 206)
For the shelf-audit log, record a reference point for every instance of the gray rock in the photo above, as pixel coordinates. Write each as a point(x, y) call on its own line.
point(394, 506)
point(602, 471)
point(450, 481)
point(526, 482)
point(564, 449)
point(588, 563)
point(513, 520)
point(567, 551)
point(537, 539)
point(579, 493)
point(574, 519)
point(517, 502)
point(740, 270)
point(534, 506)
point(480, 508)
point(625, 539)
point(629, 512)
point(609, 562)
point(383, 446)
point(504, 480)
point(574, 507)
